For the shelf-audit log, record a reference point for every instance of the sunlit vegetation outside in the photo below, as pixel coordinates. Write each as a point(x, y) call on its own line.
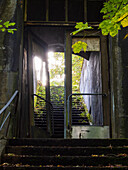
point(57, 75)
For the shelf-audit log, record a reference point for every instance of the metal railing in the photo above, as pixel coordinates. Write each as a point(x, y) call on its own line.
point(78, 94)
point(5, 108)
point(52, 118)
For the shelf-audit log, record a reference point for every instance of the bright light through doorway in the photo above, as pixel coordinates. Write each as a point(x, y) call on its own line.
point(44, 79)
point(37, 63)
point(53, 62)
point(40, 67)
point(51, 59)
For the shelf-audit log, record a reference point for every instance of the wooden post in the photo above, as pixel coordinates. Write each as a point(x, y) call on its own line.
point(25, 10)
point(48, 95)
point(30, 83)
point(66, 10)
point(105, 81)
point(85, 10)
point(68, 78)
point(47, 11)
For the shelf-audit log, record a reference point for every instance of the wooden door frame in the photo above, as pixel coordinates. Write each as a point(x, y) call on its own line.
point(105, 81)
point(33, 38)
point(105, 78)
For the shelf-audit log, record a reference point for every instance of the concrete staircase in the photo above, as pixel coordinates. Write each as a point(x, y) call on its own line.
point(77, 109)
point(57, 100)
point(58, 117)
point(65, 154)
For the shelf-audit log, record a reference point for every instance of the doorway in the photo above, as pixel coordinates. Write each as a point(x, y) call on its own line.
point(56, 87)
point(56, 40)
point(94, 88)
point(46, 79)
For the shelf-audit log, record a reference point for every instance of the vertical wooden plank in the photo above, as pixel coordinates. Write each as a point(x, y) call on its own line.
point(105, 81)
point(30, 83)
point(20, 131)
point(25, 10)
point(47, 10)
point(85, 10)
point(48, 95)
point(68, 77)
point(66, 10)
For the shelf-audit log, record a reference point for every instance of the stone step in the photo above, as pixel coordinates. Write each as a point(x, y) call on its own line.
point(56, 121)
point(58, 116)
point(55, 116)
point(66, 154)
point(57, 129)
point(66, 160)
point(54, 113)
point(59, 167)
point(67, 151)
point(69, 142)
point(44, 123)
point(58, 135)
point(61, 114)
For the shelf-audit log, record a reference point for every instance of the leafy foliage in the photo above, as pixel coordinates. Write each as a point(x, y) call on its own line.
point(77, 62)
point(115, 15)
point(78, 46)
point(7, 26)
point(57, 87)
point(57, 70)
point(80, 26)
point(87, 114)
point(39, 104)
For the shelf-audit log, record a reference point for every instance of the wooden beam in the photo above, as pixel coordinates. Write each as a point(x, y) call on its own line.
point(105, 81)
point(30, 83)
point(48, 95)
point(47, 10)
point(68, 78)
point(85, 10)
point(66, 10)
point(25, 10)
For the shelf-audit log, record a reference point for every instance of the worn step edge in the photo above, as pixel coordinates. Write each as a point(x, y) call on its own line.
point(69, 142)
point(66, 151)
point(66, 160)
point(13, 167)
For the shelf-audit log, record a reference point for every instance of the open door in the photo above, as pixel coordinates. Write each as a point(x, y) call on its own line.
point(37, 49)
point(94, 87)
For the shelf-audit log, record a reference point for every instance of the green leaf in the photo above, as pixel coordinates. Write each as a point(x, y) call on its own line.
point(84, 46)
point(80, 26)
point(6, 24)
point(78, 46)
point(3, 29)
point(115, 16)
point(12, 24)
point(10, 31)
